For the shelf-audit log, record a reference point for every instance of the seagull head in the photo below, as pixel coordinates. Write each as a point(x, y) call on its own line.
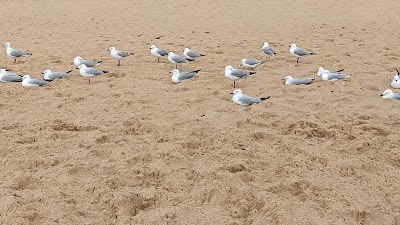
point(81, 66)
point(228, 68)
point(153, 47)
point(174, 71)
point(111, 49)
point(387, 93)
point(171, 53)
point(320, 70)
point(7, 45)
point(242, 62)
point(288, 78)
point(236, 92)
point(26, 77)
point(46, 71)
point(266, 44)
point(293, 45)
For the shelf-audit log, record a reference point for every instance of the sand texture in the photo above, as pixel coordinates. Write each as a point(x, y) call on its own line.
point(134, 148)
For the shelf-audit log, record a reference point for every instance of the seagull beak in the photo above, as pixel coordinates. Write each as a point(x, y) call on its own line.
point(283, 79)
point(231, 93)
point(77, 68)
point(41, 73)
point(381, 94)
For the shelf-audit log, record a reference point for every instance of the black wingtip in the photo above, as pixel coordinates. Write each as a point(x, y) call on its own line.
point(131, 53)
point(340, 70)
point(262, 99)
point(69, 71)
point(196, 71)
point(99, 61)
point(397, 72)
point(191, 60)
point(251, 73)
point(202, 55)
point(105, 71)
point(312, 53)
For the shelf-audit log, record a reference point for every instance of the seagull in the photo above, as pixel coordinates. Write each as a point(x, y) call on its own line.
point(389, 94)
point(245, 100)
point(396, 80)
point(14, 53)
point(297, 81)
point(27, 81)
point(89, 71)
point(326, 75)
point(158, 52)
point(177, 59)
point(178, 77)
point(320, 70)
point(190, 54)
point(298, 52)
point(78, 61)
point(49, 75)
point(6, 77)
point(236, 74)
point(118, 54)
point(268, 52)
point(251, 63)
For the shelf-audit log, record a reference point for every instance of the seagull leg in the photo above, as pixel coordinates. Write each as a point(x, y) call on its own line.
point(298, 60)
point(119, 62)
point(234, 84)
point(89, 81)
point(158, 59)
point(15, 60)
point(176, 66)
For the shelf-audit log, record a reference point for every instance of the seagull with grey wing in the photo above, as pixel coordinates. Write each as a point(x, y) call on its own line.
point(289, 80)
point(268, 52)
point(50, 75)
point(89, 71)
point(27, 81)
point(178, 76)
point(332, 76)
point(14, 53)
point(78, 61)
point(321, 69)
point(177, 59)
point(190, 54)
point(118, 54)
point(299, 52)
point(158, 52)
point(7, 77)
point(251, 63)
point(236, 74)
point(245, 100)
point(389, 94)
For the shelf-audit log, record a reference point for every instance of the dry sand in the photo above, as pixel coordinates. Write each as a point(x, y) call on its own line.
point(133, 148)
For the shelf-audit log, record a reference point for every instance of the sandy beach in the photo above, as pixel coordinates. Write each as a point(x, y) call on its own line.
point(134, 148)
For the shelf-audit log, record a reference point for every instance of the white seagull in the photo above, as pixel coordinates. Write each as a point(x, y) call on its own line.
point(250, 63)
point(7, 77)
point(158, 52)
point(298, 52)
point(268, 52)
point(178, 77)
point(245, 100)
point(89, 71)
point(396, 80)
point(50, 75)
point(236, 74)
point(289, 80)
point(334, 76)
point(118, 54)
point(27, 81)
point(78, 61)
point(177, 59)
point(389, 94)
point(190, 54)
point(14, 53)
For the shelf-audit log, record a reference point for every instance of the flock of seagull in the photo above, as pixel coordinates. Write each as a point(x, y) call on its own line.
point(86, 69)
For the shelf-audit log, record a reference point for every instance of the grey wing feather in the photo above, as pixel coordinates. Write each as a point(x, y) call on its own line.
point(193, 54)
point(338, 76)
point(187, 75)
point(179, 59)
point(123, 54)
point(162, 52)
point(240, 73)
point(249, 100)
point(17, 53)
point(57, 75)
point(9, 77)
point(396, 96)
point(301, 52)
point(252, 61)
point(298, 81)
point(93, 71)
point(268, 51)
point(89, 63)
point(38, 82)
